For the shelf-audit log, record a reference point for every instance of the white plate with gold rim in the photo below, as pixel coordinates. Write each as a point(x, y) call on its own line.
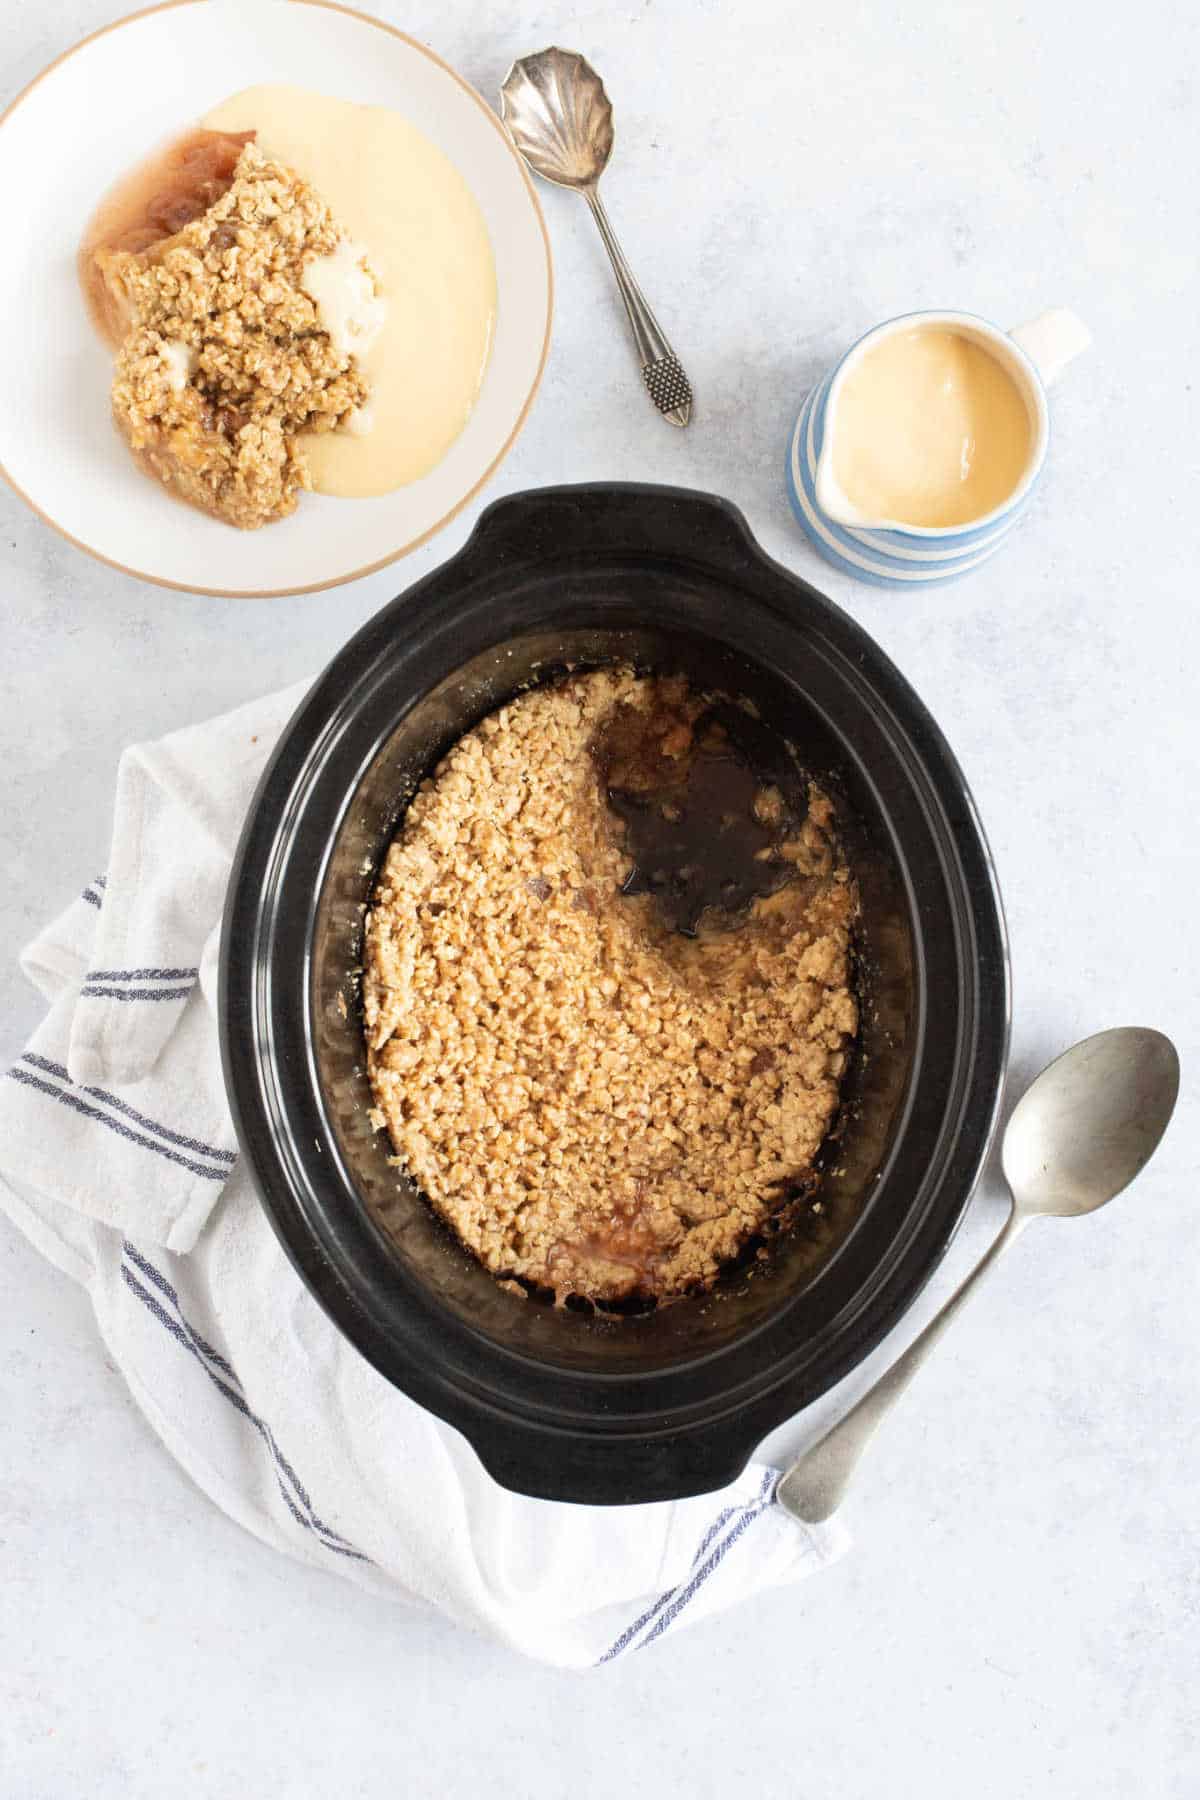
point(141, 81)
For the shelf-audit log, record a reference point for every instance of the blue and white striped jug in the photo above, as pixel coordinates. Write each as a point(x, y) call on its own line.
point(890, 553)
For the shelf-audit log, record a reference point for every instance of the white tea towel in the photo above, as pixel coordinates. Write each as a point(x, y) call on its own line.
point(118, 1161)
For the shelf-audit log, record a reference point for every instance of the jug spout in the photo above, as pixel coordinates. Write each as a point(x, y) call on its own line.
point(832, 497)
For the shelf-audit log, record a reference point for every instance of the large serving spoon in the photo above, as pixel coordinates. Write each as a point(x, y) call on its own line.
point(1087, 1126)
point(560, 119)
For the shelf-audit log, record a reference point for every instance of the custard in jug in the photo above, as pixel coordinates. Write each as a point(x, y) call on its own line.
point(930, 430)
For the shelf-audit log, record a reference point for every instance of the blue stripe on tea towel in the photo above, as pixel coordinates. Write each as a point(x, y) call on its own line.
point(164, 1287)
point(92, 991)
point(671, 1602)
point(98, 1093)
point(755, 1511)
point(181, 1331)
point(160, 1281)
point(142, 975)
point(92, 1112)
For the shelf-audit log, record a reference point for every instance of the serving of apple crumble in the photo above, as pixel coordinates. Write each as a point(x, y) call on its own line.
point(223, 359)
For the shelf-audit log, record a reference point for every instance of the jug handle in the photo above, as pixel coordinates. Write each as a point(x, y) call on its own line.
point(1051, 341)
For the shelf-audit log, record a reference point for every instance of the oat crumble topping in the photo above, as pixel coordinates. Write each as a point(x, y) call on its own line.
point(596, 1104)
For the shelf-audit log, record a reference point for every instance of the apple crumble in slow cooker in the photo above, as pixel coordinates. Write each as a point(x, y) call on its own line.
point(607, 987)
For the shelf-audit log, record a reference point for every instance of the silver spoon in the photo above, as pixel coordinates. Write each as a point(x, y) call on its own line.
point(1086, 1127)
point(559, 117)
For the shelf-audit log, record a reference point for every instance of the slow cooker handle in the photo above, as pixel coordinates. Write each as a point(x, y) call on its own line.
point(607, 517)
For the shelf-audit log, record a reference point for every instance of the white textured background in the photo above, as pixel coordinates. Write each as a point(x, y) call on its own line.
point(1020, 1614)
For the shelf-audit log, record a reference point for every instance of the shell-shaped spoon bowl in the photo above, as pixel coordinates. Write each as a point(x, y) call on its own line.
point(559, 116)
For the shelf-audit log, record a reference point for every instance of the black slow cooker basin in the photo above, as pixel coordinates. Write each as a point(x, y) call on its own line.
point(567, 1404)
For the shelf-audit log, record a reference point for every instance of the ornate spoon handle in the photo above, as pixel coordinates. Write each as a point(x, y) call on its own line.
point(666, 383)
